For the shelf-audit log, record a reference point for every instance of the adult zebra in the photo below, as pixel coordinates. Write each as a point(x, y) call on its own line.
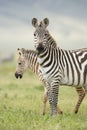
point(58, 66)
point(28, 59)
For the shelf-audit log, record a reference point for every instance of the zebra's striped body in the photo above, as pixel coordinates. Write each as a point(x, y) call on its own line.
point(28, 59)
point(75, 68)
point(58, 66)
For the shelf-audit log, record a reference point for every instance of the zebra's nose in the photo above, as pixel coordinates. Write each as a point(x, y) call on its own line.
point(18, 75)
point(40, 48)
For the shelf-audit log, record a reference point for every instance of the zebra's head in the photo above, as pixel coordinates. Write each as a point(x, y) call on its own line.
point(22, 64)
point(41, 34)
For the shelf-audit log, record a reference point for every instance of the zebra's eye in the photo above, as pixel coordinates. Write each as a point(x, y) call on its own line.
point(19, 63)
point(45, 34)
point(34, 34)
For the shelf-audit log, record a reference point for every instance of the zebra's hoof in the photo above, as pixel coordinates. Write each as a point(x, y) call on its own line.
point(75, 111)
point(43, 113)
point(61, 112)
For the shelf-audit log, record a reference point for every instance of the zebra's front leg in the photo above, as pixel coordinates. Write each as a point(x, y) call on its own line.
point(81, 94)
point(45, 98)
point(53, 97)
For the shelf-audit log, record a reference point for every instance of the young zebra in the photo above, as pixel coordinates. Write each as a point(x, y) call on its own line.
point(28, 59)
point(58, 66)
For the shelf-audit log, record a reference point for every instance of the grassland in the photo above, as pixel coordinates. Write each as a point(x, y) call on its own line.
point(21, 104)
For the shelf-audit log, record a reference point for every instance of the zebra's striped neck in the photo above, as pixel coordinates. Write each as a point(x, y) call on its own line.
point(31, 57)
point(51, 42)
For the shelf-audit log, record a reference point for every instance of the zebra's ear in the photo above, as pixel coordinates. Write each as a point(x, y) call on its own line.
point(19, 51)
point(45, 22)
point(35, 22)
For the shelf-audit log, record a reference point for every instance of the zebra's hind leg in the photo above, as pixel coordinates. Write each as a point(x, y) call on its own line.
point(44, 101)
point(81, 94)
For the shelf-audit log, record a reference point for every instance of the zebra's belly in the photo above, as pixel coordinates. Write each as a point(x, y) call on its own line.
point(76, 82)
point(66, 81)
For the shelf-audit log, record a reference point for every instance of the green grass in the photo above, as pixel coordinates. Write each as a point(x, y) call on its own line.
point(21, 104)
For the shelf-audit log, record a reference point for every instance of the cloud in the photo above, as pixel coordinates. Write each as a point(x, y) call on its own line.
point(68, 22)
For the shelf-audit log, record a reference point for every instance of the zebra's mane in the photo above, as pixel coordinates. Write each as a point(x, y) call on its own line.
point(82, 50)
point(31, 51)
point(27, 51)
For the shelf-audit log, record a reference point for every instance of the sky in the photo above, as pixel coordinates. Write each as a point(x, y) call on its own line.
point(67, 23)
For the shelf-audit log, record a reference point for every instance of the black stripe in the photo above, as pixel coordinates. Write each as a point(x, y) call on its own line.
point(61, 59)
point(46, 59)
point(78, 73)
point(66, 64)
point(84, 59)
point(80, 54)
point(70, 65)
point(77, 58)
point(52, 60)
point(51, 57)
point(85, 74)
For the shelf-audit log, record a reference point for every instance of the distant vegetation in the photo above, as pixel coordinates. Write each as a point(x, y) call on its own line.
point(21, 104)
point(6, 58)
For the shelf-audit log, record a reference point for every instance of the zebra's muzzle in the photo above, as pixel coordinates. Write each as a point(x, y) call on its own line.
point(18, 75)
point(39, 48)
